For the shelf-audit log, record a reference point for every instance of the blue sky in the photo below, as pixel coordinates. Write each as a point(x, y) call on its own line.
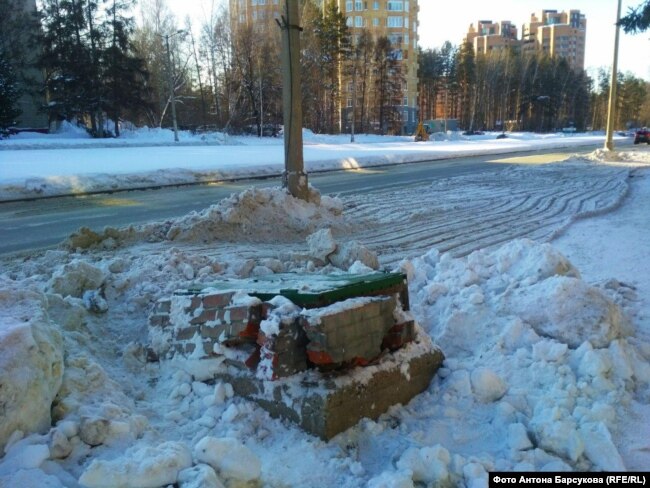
point(441, 21)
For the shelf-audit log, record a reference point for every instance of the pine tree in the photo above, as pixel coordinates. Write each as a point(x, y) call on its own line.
point(19, 29)
point(125, 75)
point(638, 19)
point(466, 79)
point(389, 80)
point(9, 94)
point(334, 46)
point(66, 60)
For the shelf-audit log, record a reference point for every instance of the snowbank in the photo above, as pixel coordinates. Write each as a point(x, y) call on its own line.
point(255, 215)
point(532, 347)
point(31, 361)
point(29, 168)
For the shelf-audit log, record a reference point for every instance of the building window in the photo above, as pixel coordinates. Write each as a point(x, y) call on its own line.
point(406, 38)
point(358, 21)
point(375, 22)
point(406, 101)
point(375, 5)
point(406, 116)
point(349, 103)
point(348, 6)
point(394, 22)
point(358, 5)
point(406, 6)
point(349, 22)
point(395, 6)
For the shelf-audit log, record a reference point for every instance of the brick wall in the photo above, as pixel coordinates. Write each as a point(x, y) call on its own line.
point(353, 332)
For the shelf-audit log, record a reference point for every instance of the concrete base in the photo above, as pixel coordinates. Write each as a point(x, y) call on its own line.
point(327, 405)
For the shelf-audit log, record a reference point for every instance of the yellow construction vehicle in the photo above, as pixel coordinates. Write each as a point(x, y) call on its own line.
point(421, 135)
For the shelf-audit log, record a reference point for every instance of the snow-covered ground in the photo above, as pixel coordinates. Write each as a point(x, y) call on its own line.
point(547, 339)
point(29, 165)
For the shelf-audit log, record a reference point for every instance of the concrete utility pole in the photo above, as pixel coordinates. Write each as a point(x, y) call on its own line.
point(295, 178)
point(611, 109)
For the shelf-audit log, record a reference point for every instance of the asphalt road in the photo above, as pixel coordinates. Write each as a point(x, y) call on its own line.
point(44, 223)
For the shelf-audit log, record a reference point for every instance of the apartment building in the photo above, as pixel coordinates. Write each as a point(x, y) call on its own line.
point(492, 36)
point(556, 33)
point(255, 11)
point(395, 19)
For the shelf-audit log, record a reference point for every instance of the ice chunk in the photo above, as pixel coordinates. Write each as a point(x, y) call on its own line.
point(229, 457)
point(139, 467)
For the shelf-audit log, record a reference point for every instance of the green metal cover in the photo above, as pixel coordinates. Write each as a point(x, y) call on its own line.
point(310, 290)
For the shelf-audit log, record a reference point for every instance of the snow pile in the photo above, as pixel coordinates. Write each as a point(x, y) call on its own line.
point(255, 215)
point(140, 467)
point(324, 249)
point(619, 157)
point(259, 215)
point(31, 361)
point(532, 348)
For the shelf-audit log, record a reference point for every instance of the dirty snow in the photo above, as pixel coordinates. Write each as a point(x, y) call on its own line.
point(547, 346)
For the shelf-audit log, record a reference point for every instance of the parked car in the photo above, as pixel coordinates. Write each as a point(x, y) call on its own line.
point(642, 135)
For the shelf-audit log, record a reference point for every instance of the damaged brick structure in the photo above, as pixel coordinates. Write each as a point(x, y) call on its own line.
point(270, 332)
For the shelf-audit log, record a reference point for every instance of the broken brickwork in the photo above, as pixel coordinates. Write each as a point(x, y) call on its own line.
point(265, 339)
point(352, 332)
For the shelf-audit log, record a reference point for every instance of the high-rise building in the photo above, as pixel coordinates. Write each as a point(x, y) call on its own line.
point(556, 33)
point(490, 36)
point(395, 19)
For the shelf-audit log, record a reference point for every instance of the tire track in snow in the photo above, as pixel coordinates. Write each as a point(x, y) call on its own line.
point(462, 214)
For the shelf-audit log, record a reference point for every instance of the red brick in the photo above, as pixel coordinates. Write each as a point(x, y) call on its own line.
point(194, 304)
point(215, 300)
point(159, 320)
point(207, 315)
point(254, 359)
point(319, 357)
point(238, 313)
point(212, 332)
point(186, 333)
point(399, 335)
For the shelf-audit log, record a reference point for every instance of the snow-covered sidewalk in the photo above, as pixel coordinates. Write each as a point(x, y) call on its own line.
point(39, 165)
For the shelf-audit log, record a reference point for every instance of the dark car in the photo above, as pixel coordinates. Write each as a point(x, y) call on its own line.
point(642, 135)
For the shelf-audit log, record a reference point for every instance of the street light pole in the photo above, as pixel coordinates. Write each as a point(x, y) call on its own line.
point(611, 109)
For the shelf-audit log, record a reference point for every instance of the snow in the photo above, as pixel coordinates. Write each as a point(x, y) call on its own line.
point(229, 457)
point(31, 363)
point(547, 344)
point(70, 163)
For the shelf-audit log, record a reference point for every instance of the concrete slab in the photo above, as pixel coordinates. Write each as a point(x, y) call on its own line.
point(326, 405)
